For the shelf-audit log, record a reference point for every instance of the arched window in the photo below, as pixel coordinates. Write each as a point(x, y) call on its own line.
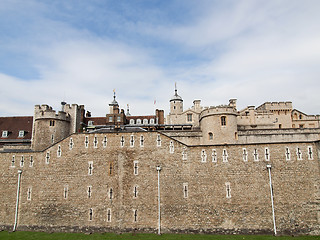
point(138, 121)
point(131, 121)
point(151, 121)
point(210, 136)
point(223, 121)
point(145, 121)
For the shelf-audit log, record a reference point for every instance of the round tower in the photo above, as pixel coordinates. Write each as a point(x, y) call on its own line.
point(114, 106)
point(219, 125)
point(176, 103)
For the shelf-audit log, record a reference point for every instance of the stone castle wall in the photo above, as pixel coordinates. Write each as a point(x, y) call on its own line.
point(203, 188)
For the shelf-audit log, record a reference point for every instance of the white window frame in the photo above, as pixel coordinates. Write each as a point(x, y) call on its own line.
point(109, 215)
point(13, 161)
point(224, 155)
point(171, 147)
point(228, 193)
point(287, 154)
point(136, 168)
point(29, 194)
point(141, 141)
point(71, 144)
point(299, 156)
point(255, 155)
point(135, 191)
point(31, 161)
point(158, 140)
point(5, 133)
point(22, 161)
point(122, 141)
point(151, 121)
point(267, 154)
point(244, 155)
point(105, 142)
point(110, 194)
point(90, 170)
point(132, 140)
point(59, 151)
point(214, 155)
point(89, 191)
point(203, 156)
point(86, 141)
point(47, 158)
point(90, 214)
point(95, 142)
point(131, 122)
point(90, 123)
point(139, 121)
point(21, 134)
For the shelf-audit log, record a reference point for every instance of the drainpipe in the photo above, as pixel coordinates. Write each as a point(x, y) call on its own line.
point(159, 213)
point(17, 202)
point(272, 205)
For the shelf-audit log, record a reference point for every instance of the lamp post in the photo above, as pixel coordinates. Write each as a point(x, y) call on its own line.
point(272, 205)
point(159, 212)
point(17, 202)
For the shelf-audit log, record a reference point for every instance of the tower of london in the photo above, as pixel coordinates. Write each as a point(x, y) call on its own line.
point(206, 169)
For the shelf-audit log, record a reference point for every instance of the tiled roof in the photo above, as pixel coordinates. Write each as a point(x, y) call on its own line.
point(15, 124)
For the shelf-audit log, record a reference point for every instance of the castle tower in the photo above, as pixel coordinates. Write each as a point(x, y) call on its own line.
point(176, 103)
point(219, 125)
point(114, 106)
point(50, 127)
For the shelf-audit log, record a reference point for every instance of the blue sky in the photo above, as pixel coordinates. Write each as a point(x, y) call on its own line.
point(79, 51)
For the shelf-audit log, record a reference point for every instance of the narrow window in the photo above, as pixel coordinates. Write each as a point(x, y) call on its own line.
point(310, 153)
point(110, 119)
point(71, 143)
point(21, 134)
point(228, 190)
point(90, 123)
point(224, 155)
point(135, 191)
point(171, 147)
point(122, 141)
point(141, 141)
point(29, 193)
point(210, 136)
point(86, 141)
point(135, 167)
point(145, 121)
point(51, 123)
point(109, 215)
point(299, 154)
point(158, 140)
point(90, 214)
point(118, 119)
point(138, 121)
point(110, 169)
point(105, 141)
point(255, 155)
point(184, 153)
point(31, 161)
point(65, 192)
point(203, 156)
point(236, 136)
point(59, 151)
point(214, 155)
point(185, 190)
point(4, 134)
point(89, 191)
point(131, 141)
point(131, 121)
point(244, 155)
point(22, 161)
point(189, 117)
point(90, 167)
point(151, 121)
point(287, 154)
point(95, 142)
point(110, 194)
point(135, 215)
point(12, 161)
point(47, 157)
point(267, 154)
point(52, 139)
point(223, 121)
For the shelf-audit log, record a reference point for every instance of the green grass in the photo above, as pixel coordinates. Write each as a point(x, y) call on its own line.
point(130, 236)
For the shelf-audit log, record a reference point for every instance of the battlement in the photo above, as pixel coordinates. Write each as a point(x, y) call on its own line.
point(275, 106)
point(218, 110)
point(46, 112)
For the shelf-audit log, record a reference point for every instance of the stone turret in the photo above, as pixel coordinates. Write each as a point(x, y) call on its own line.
point(176, 103)
point(50, 126)
point(219, 124)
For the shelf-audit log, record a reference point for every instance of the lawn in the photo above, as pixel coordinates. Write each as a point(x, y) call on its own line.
point(130, 236)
